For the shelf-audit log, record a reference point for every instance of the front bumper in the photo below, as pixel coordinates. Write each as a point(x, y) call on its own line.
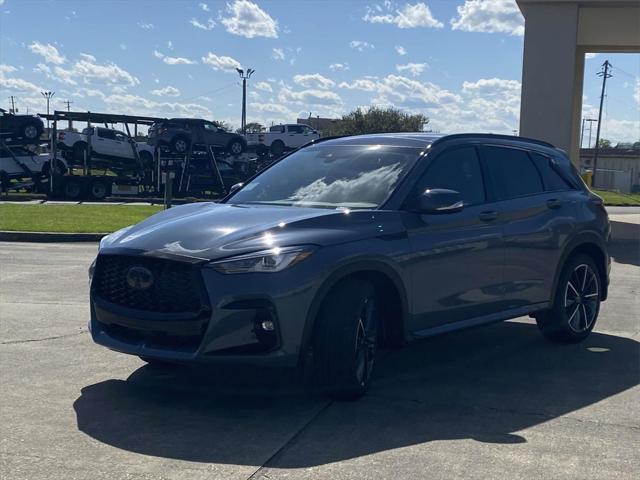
point(229, 329)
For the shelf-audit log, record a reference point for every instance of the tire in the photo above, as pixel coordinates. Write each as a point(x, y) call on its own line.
point(180, 145)
point(31, 131)
point(99, 190)
point(277, 148)
point(78, 151)
point(345, 339)
point(235, 147)
point(576, 302)
point(72, 189)
point(146, 158)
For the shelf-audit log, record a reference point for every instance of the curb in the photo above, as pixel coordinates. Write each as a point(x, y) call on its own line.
point(49, 237)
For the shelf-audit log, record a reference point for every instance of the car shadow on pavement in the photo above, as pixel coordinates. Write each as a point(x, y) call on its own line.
point(485, 384)
point(625, 242)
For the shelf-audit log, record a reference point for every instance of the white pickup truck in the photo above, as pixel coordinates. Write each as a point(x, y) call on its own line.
point(281, 137)
point(18, 163)
point(106, 144)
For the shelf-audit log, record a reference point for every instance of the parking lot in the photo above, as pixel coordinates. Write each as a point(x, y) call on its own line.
point(496, 402)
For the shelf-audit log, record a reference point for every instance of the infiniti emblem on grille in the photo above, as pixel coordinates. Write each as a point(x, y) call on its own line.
point(139, 278)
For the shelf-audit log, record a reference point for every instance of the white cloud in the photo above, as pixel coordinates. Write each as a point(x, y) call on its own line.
point(145, 25)
point(202, 26)
point(360, 45)
point(167, 91)
point(264, 86)
point(123, 46)
point(314, 80)
point(339, 67)
point(491, 16)
point(204, 6)
point(636, 92)
point(248, 20)
point(278, 54)
point(17, 84)
point(363, 84)
point(401, 50)
point(173, 60)
point(309, 97)
point(590, 55)
point(48, 52)
point(409, 16)
point(223, 63)
point(135, 104)
point(88, 71)
point(170, 45)
point(414, 69)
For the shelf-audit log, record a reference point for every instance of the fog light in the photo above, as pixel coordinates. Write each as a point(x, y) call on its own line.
point(268, 325)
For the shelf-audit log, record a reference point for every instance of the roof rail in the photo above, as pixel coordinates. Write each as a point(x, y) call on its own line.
point(493, 135)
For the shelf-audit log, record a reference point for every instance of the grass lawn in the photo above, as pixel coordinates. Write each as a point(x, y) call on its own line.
point(72, 218)
point(615, 198)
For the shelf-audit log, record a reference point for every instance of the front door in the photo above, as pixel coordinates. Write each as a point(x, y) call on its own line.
point(457, 258)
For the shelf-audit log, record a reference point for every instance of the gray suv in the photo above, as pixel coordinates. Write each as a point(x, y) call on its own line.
point(180, 133)
point(353, 244)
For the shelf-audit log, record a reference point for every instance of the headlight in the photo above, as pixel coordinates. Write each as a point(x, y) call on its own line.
point(274, 260)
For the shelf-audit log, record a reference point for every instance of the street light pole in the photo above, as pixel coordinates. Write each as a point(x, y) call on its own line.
point(48, 96)
point(244, 76)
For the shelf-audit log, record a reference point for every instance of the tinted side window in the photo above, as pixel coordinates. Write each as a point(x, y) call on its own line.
point(511, 172)
point(459, 170)
point(550, 177)
point(296, 129)
point(106, 133)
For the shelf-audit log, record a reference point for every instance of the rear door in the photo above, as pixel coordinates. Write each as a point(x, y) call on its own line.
point(536, 222)
point(457, 258)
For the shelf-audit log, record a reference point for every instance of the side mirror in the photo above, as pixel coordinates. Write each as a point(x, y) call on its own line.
point(236, 187)
point(440, 200)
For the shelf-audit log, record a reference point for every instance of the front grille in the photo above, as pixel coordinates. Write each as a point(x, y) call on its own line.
point(176, 287)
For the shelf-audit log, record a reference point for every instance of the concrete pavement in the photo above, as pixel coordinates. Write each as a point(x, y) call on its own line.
point(496, 402)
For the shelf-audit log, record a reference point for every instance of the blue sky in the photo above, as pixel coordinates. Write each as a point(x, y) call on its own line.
point(457, 61)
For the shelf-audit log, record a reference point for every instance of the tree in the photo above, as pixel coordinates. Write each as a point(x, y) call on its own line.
point(252, 127)
point(377, 120)
point(604, 143)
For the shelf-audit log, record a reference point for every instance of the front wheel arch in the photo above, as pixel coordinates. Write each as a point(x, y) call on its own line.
point(385, 278)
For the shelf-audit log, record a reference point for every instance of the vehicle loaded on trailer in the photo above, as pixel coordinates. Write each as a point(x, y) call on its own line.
point(20, 128)
point(281, 138)
point(180, 134)
point(107, 144)
point(358, 243)
point(23, 168)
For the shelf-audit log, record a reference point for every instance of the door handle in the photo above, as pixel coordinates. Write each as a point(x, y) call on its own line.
point(488, 216)
point(554, 203)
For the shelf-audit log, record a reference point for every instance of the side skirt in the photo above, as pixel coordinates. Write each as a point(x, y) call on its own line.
point(478, 321)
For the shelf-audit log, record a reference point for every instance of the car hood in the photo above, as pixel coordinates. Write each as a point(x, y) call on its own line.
point(208, 231)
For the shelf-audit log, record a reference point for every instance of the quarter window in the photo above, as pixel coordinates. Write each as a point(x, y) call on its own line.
point(550, 177)
point(458, 170)
point(511, 173)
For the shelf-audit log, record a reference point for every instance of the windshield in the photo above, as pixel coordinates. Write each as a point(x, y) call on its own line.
point(331, 176)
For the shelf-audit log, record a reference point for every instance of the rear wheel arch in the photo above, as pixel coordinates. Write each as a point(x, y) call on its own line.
point(593, 246)
point(388, 285)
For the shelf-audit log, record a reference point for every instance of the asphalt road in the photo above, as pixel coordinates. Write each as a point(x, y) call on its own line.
point(495, 402)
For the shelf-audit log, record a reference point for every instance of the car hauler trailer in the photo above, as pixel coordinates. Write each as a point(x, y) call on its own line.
point(198, 172)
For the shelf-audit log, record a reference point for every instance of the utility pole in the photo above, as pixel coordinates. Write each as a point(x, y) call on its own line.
point(604, 74)
point(244, 76)
point(68, 110)
point(590, 120)
point(48, 96)
point(13, 106)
